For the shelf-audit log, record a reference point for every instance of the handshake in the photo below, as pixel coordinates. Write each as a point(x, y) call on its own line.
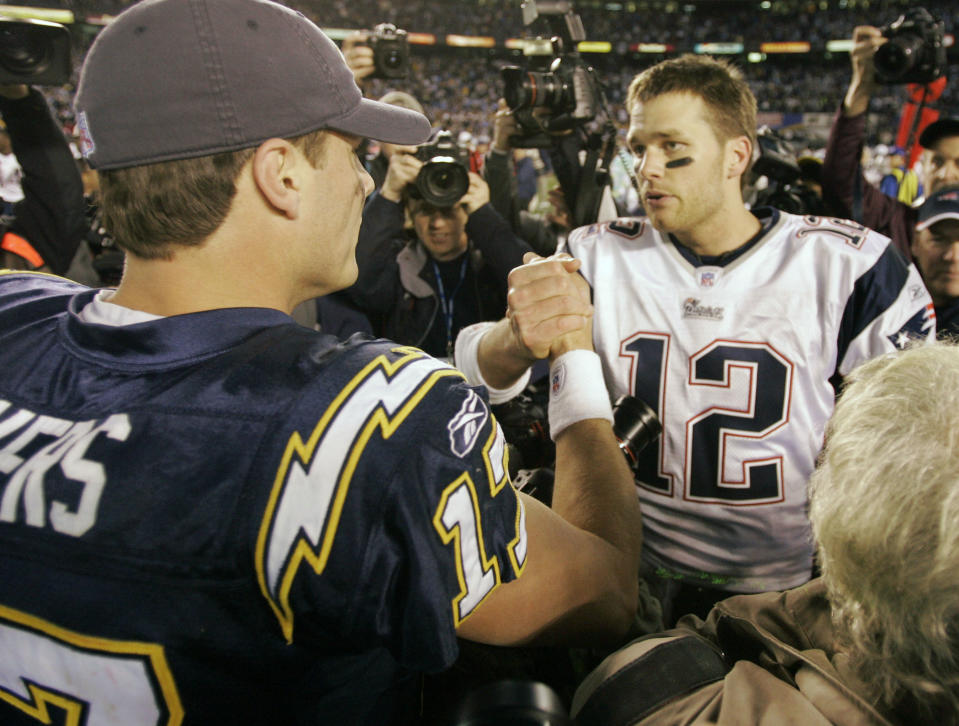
point(549, 310)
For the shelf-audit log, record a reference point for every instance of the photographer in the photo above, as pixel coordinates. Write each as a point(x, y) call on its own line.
point(47, 224)
point(499, 170)
point(845, 190)
point(421, 288)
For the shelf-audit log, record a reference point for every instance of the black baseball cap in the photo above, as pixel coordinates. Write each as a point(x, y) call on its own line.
point(944, 204)
point(937, 129)
point(176, 79)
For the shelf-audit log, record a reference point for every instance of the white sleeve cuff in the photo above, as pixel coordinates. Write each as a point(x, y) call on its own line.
point(465, 357)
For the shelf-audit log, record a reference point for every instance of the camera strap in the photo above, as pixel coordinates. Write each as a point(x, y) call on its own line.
point(447, 303)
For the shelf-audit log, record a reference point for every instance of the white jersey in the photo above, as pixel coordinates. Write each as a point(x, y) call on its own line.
point(737, 362)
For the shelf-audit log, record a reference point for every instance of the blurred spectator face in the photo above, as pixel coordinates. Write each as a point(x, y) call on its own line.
point(936, 250)
point(943, 163)
point(679, 161)
point(441, 230)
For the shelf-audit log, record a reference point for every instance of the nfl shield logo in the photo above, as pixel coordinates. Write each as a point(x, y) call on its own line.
point(87, 146)
point(707, 277)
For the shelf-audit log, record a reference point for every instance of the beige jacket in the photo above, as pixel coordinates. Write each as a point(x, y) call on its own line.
point(786, 670)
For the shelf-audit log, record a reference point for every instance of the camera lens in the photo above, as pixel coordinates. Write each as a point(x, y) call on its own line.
point(895, 58)
point(21, 53)
point(635, 425)
point(512, 703)
point(515, 91)
point(442, 181)
point(548, 90)
point(393, 59)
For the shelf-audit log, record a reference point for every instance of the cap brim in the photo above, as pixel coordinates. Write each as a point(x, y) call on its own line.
point(926, 223)
point(383, 122)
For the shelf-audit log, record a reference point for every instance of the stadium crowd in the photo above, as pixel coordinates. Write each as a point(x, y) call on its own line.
point(463, 84)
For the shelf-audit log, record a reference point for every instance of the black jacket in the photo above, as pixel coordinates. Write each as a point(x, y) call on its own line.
point(51, 215)
point(397, 282)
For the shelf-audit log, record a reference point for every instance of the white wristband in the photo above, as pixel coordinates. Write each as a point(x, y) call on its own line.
point(577, 391)
point(466, 358)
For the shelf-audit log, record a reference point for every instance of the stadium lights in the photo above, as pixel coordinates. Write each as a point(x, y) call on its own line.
point(719, 48)
point(64, 17)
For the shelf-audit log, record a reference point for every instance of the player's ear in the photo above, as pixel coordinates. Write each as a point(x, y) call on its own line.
point(739, 152)
point(275, 168)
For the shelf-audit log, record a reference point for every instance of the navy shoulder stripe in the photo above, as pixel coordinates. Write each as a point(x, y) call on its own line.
point(872, 295)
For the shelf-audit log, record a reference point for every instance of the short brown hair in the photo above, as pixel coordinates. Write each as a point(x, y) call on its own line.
point(720, 84)
point(151, 209)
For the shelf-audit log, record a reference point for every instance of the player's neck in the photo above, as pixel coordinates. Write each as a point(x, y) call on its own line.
point(721, 233)
point(194, 280)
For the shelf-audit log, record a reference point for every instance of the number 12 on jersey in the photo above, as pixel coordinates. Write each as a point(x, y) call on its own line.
point(709, 429)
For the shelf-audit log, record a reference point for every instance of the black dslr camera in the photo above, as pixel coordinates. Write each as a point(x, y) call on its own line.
point(34, 52)
point(914, 52)
point(444, 177)
point(391, 51)
point(558, 90)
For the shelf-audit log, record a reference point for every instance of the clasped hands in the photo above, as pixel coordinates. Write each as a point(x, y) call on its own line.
point(549, 307)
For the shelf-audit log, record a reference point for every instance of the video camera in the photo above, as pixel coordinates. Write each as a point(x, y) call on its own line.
point(914, 51)
point(391, 51)
point(444, 177)
point(34, 52)
point(778, 164)
point(558, 91)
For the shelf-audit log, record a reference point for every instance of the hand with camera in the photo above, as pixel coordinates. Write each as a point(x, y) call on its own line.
point(14, 91)
point(477, 195)
point(504, 127)
point(402, 171)
point(359, 56)
point(866, 40)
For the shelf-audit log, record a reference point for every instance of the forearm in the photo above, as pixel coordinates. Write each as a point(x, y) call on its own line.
point(841, 162)
point(502, 187)
point(857, 97)
point(502, 250)
point(594, 488)
point(500, 361)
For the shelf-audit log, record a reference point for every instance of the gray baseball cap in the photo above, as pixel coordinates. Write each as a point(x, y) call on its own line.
point(176, 79)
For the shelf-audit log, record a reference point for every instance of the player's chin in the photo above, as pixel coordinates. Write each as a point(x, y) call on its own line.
point(661, 220)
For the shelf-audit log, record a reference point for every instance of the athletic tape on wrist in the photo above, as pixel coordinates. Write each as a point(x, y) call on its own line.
point(577, 391)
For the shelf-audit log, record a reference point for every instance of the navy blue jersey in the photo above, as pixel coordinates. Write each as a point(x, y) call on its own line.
point(224, 517)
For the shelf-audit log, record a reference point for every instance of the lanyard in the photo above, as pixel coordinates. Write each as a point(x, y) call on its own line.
point(447, 304)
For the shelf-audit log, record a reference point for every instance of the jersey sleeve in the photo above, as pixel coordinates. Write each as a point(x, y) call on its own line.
point(459, 524)
point(888, 308)
point(392, 520)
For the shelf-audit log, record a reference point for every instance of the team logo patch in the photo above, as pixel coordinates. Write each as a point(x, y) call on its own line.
point(466, 425)
point(693, 308)
point(708, 276)
point(916, 328)
point(557, 379)
point(87, 146)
